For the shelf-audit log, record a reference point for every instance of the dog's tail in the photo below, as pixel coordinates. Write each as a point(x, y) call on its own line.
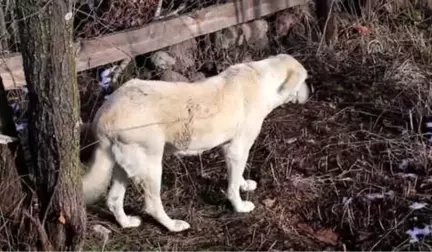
point(97, 178)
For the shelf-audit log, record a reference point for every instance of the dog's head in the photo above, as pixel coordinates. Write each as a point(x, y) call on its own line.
point(289, 76)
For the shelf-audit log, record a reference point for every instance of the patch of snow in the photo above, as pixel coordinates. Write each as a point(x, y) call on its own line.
point(68, 16)
point(403, 164)
point(291, 140)
point(374, 196)
point(20, 126)
point(6, 139)
point(407, 175)
point(105, 76)
point(346, 200)
point(15, 106)
point(415, 232)
point(429, 126)
point(417, 205)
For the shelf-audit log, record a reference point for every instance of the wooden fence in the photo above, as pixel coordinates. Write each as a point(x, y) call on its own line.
point(156, 35)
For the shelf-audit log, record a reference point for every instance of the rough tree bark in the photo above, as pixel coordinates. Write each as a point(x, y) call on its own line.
point(46, 35)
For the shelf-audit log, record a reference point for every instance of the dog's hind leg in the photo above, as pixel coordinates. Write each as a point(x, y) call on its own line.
point(144, 166)
point(116, 197)
point(151, 182)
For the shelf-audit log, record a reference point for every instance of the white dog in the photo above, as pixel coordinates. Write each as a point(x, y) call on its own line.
point(142, 119)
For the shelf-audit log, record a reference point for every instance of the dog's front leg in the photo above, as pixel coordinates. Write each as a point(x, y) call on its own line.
point(236, 155)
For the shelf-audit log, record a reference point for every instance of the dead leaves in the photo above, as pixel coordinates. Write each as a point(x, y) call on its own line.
point(324, 235)
point(363, 30)
point(327, 236)
point(61, 219)
point(269, 203)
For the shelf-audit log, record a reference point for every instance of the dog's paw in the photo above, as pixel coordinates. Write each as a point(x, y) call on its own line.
point(131, 221)
point(245, 207)
point(178, 226)
point(248, 185)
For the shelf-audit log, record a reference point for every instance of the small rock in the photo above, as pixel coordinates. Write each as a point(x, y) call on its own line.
point(198, 76)
point(269, 203)
point(262, 43)
point(184, 53)
point(305, 228)
point(247, 58)
point(284, 22)
point(226, 38)
point(253, 31)
point(145, 74)
point(170, 75)
point(327, 236)
point(162, 60)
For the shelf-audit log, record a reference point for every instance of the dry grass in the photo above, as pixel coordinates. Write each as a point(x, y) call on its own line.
point(317, 165)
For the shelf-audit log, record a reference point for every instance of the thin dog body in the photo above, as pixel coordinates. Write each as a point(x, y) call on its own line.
point(143, 119)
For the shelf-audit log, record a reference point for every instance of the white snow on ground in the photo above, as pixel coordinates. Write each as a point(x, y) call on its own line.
point(6, 139)
point(106, 77)
point(407, 175)
point(429, 126)
point(20, 126)
point(403, 164)
point(415, 232)
point(417, 205)
point(374, 196)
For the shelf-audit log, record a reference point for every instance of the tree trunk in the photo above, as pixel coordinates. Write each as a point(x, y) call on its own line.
point(46, 35)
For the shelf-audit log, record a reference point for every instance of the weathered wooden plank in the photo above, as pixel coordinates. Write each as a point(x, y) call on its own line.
point(156, 35)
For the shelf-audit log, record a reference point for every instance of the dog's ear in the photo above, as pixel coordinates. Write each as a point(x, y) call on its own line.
point(292, 79)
